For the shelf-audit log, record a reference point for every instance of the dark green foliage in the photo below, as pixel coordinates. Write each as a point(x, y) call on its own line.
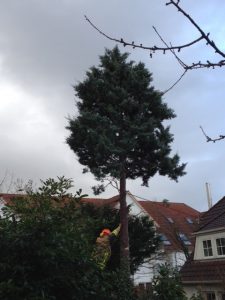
point(142, 236)
point(120, 122)
point(46, 246)
point(143, 241)
point(167, 284)
point(45, 251)
point(119, 131)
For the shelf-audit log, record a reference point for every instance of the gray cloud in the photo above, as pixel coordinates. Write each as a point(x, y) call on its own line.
point(47, 46)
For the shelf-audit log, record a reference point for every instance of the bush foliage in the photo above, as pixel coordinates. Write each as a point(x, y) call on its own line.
point(47, 238)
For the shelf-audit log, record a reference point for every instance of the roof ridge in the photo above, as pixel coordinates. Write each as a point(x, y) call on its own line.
point(174, 208)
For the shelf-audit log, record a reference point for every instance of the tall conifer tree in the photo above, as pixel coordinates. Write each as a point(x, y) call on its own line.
point(119, 131)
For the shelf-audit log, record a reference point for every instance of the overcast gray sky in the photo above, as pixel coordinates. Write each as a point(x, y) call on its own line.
point(46, 46)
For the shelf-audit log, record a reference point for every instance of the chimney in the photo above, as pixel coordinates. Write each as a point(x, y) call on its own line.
point(208, 192)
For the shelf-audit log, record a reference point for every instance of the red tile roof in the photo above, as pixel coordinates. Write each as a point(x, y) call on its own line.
point(172, 219)
point(214, 217)
point(101, 201)
point(159, 212)
point(6, 198)
point(195, 271)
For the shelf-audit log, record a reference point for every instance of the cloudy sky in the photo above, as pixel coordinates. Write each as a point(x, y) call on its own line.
point(46, 46)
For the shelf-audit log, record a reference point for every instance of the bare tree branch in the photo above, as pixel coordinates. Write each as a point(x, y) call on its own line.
point(203, 37)
point(203, 34)
point(209, 139)
point(134, 45)
point(104, 184)
point(152, 50)
point(170, 48)
point(183, 65)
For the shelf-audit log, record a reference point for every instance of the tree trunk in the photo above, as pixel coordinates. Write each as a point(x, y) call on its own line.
point(124, 236)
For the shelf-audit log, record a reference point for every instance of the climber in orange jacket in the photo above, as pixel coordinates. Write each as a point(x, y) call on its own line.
point(102, 251)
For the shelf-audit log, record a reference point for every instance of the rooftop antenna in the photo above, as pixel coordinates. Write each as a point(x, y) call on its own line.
point(208, 192)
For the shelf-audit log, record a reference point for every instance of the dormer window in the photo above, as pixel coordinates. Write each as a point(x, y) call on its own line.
point(170, 219)
point(164, 240)
point(184, 239)
point(220, 244)
point(207, 248)
point(189, 220)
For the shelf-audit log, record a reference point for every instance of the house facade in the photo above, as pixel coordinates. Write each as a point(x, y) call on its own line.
point(204, 272)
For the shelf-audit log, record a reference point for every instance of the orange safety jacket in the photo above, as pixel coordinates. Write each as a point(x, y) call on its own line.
point(102, 250)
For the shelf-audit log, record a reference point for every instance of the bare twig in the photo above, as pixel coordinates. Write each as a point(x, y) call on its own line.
point(114, 184)
point(175, 83)
point(183, 65)
point(3, 179)
point(6, 182)
point(170, 48)
point(209, 139)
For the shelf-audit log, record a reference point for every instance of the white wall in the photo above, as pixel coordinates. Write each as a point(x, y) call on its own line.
point(147, 271)
point(135, 208)
point(177, 258)
point(144, 274)
point(199, 253)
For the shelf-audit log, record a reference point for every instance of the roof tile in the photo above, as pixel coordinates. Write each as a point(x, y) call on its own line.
point(203, 271)
point(214, 217)
point(178, 212)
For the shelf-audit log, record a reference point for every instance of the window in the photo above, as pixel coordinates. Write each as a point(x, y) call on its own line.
point(210, 296)
point(207, 248)
point(189, 220)
point(184, 239)
point(141, 286)
point(170, 219)
point(165, 240)
point(220, 243)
